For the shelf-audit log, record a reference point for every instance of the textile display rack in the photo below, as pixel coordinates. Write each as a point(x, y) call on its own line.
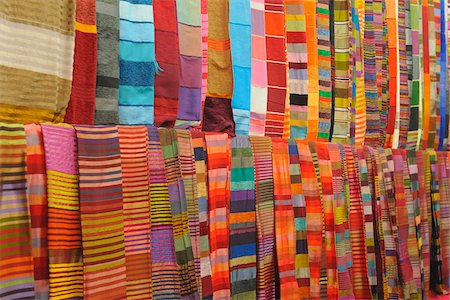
point(224, 149)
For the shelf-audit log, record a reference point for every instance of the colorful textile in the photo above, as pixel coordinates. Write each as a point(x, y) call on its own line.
point(258, 89)
point(36, 75)
point(64, 228)
point(241, 57)
point(182, 240)
point(187, 166)
point(37, 200)
point(284, 221)
point(204, 16)
point(426, 75)
point(106, 102)
point(167, 52)
point(101, 212)
point(276, 66)
point(445, 216)
point(81, 107)
point(219, 156)
point(136, 210)
point(137, 62)
point(165, 277)
point(16, 263)
point(190, 42)
point(202, 195)
point(262, 156)
point(242, 220)
point(443, 77)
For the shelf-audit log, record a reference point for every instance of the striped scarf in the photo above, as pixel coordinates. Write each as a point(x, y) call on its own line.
point(445, 215)
point(202, 194)
point(106, 102)
point(165, 277)
point(242, 220)
point(443, 76)
point(133, 143)
point(37, 200)
point(81, 107)
point(137, 62)
point(204, 16)
point(284, 221)
point(298, 202)
point(64, 228)
point(262, 156)
point(178, 203)
point(426, 74)
point(101, 212)
point(16, 266)
point(219, 156)
point(190, 39)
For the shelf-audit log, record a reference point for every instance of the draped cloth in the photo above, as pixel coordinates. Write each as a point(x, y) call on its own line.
point(199, 147)
point(81, 107)
point(178, 203)
point(37, 200)
point(106, 102)
point(443, 159)
point(136, 210)
point(262, 156)
point(219, 161)
point(137, 62)
point(101, 212)
point(426, 75)
point(284, 221)
point(165, 277)
point(242, 220)
point(36, 75)
point(16, 265)
point(64, 228)
point(167, 53)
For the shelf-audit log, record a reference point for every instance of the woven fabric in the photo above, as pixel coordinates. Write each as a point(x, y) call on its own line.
point(443, 76)
point(284, 221)
point(204, 16)
point(381, 44)
point(299, 205)
point(167, 52)
point(426, 75)
point(137, 62)
point(341, 201)
point(178, 203)
point(133, 143)
point(258, 89)
point(101, 212)
point(16, 266)
point(445, 216)
point(35, 87)
point(262, 155)
point(434, 95)
point(342, 94)
point(190, 42)
point(37, 201)
point(202, 194)
point(106, 102)
point(81, 107)
point(219, 156)
point(242, 220)
point(436, 73)
point(165, 276)
point(298, 67)
point(241, 54)
point(357, 220)
point(276, 66)
point(64, 228)
point(187, 166)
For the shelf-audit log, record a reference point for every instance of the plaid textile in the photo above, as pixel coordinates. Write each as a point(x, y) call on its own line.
point(133, 142)
point(64, 227)
point(187, 164)
point(284, 221)
point(16, 260)
point(298, 202)
point(101, 212)
point(37, 200)
point(178, 203)
point(242, 220)
point(326, 179)
point(262, 156)
point(276, 66)
point(202, 196)
point(165, 276)
point(219, 156)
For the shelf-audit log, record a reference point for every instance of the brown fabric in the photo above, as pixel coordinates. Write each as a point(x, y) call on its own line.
point(218, 116)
